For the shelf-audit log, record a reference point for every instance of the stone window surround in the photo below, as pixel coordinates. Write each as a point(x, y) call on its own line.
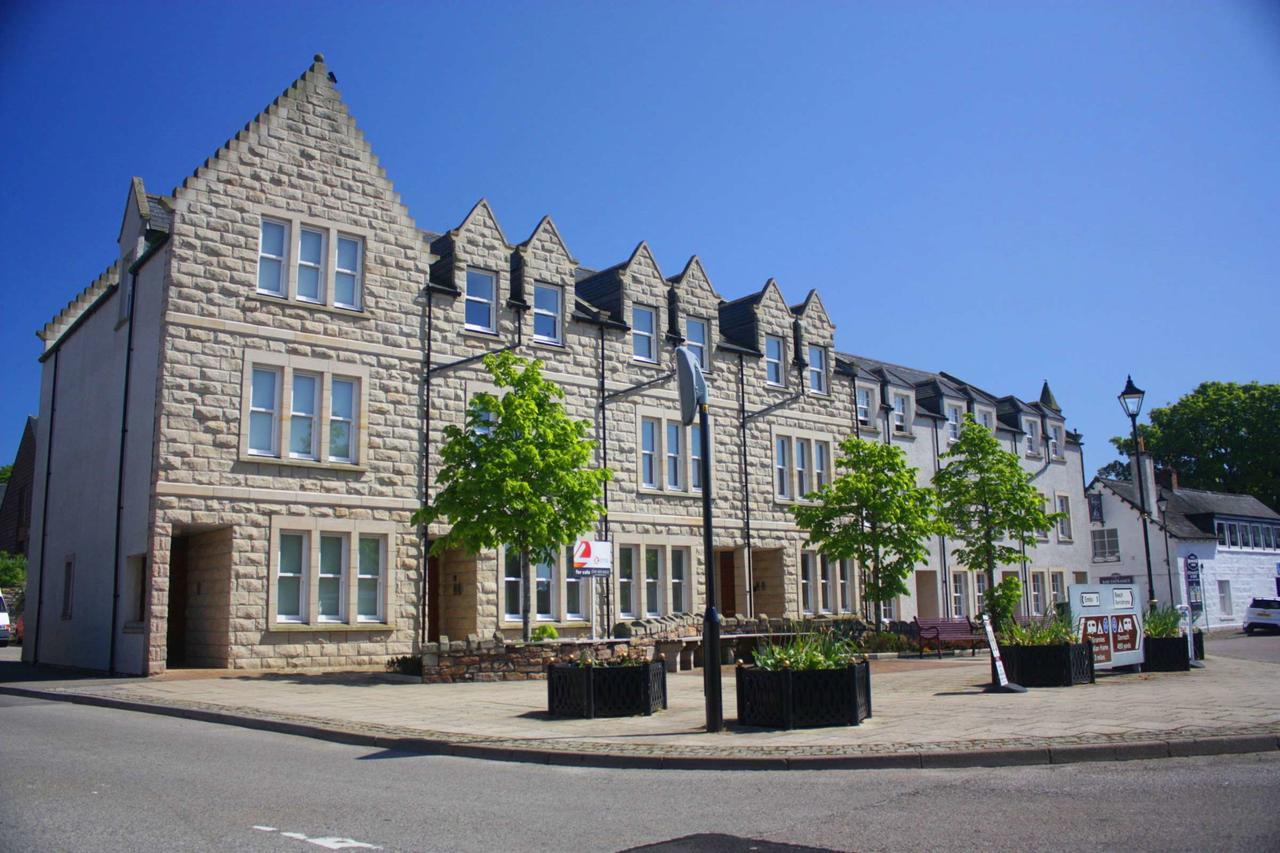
point(814, 439)
point(782, 361)
point(294, 222)
point(562, 297)
point(559, 600)
point(327, 369)
point(663, 417)
point(815, 587)
point(825, 390)
point(494, 319)
point(1057, 502)
point(654, 334)
point(709, 345)
point(689, 544)
point(315, 527)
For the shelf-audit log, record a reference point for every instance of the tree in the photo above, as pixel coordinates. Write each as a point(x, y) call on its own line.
point(1221, 437)
point(516, 475)
point(1115, 470)
point(13, 571)
point(987, 501)
point(6, 471)
point(873, 512)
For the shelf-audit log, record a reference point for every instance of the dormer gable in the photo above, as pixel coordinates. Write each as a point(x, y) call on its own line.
point(817, 322)
point(478, 230)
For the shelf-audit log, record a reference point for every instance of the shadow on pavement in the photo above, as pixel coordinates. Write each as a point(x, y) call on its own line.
point(714, 842)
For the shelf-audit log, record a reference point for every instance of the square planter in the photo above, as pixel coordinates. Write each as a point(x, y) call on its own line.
point(1165, 654)
point(1197, 638)
point(606, 691)
point(789, 699)
point(1058, 665)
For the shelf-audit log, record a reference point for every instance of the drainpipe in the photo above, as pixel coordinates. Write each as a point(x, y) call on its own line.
point(746, 487)
point(945, 604)
point(423, 537)
point(44, 512)
point(602, 433)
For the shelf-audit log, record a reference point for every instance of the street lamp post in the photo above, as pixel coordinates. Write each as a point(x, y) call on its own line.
point(1131, 401)
point(1162, 504)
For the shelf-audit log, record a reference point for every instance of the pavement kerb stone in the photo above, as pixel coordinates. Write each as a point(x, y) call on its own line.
point(741, 760)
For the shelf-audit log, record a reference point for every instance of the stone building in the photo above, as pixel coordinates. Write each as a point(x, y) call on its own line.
point(15, 496)
point(239, 416)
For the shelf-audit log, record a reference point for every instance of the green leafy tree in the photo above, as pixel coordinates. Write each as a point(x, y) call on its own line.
point(1115, 470)
point(13, 571)
point(873, 512)
point(988, 503)
point(516, 475)
point(1221, 437)
point(6, 471)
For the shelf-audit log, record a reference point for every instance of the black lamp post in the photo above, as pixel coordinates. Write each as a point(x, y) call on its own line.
point(1162, 504)
point(1131, 401)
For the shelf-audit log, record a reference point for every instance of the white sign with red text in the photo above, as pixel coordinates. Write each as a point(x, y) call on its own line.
point(593, 558)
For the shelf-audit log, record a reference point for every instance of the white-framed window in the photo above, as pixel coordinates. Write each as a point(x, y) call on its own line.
point(1057, 587)
point(1224, 599)
point(512, 584)
point(890, 609)
point(697, 343)
point(827, 586)
point(1222, 532)
point(900, 422)
point(264, 408)
point(649, 452)
point(544, 598)
point(310, 273)
point(817, 369)
point(1106, 545)
point(1267, 540)
point(1257, 536)
point(1037, 593)
point(782, 467)
point(808, 560)
point(846, 588)
point(652, 581)
point(627, 581)
point(695, 457)
point(302, 416)
point(291, 576)
point(643, 339)
point(1233, 534)
point(1064, 523)
point(1055, 441)
point(986, 418)
point(481, 301)
point(675, 456)
point(864, 406)
point(371, 578)
point(1047, 505)
point(273, 237)
point(348, 273)
point(959, 595)
point(679, 580)
point(980, 588)
point(802, 467)
point(332, 587)
point(576, 589)
point(953, 423)
point(548, 313)
point(821, 463)
point(1032, 437)
point(773, 355)
point(342, 420)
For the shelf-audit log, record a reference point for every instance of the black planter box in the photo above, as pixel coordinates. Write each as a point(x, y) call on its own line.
point(606, 691)
point(1165, 654)
point(1058, 665)
point(1197, 638)
point(790, 699)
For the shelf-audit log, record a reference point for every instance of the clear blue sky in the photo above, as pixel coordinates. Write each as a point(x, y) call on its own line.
point(1010, 192)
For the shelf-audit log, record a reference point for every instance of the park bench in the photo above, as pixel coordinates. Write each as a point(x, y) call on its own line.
point(939, 631)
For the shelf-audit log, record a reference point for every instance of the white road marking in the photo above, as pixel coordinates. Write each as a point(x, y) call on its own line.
point(328, 842)
point(265, 828)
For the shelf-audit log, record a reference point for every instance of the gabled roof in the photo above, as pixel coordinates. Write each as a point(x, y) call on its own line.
point(1191, 512)
point(547, 226)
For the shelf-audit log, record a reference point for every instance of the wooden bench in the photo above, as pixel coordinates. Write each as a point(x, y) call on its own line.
point(949, 631)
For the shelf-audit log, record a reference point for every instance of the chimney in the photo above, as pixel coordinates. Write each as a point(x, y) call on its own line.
point(1168, 478)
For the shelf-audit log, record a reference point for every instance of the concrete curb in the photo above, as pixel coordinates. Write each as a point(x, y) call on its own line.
point(1049, 753)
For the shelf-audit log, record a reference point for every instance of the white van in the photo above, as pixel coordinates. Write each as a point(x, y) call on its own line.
point(6, 630)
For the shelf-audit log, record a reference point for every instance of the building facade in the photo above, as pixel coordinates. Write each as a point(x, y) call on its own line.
point(239, 417)
point(15, 496)
point(1230, 542)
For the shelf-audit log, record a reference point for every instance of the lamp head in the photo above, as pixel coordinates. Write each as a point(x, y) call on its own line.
point(1131, 398)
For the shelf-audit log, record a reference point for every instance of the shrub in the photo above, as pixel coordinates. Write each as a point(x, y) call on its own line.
point(1001, 601)
point(1057, 631)
point(545, 632)
point(822, 650)
point(885, 641)
point(1162, 623)
point(13, 571)
point(405, 665)
point(587, 659)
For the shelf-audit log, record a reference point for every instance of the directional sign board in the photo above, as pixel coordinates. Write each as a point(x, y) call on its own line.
point(1107, 617)
point(593, 558)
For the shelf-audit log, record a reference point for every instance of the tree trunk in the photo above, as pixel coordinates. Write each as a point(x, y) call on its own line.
point(527, 598)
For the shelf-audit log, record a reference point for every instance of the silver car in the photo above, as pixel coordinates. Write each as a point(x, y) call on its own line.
point(1263, 613)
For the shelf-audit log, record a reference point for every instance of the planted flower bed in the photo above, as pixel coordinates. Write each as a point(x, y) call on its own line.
point(590, 689)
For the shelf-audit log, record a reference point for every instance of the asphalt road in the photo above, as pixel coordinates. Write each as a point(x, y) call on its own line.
point(1263, 647)
point(82, 778)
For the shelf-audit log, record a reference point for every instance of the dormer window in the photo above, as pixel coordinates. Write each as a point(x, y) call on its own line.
point(1055, 441)
point(773, 350)
point(1032, 437)
point(953, 423)
point(697, 343)
point(481, 291)
point(643, 323)
point(864, 406)
point(986, 419)
point(547, 313)
point(817, 370)
point(900, 412)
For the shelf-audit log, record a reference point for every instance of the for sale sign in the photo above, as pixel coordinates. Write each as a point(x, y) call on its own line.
point(593, 558)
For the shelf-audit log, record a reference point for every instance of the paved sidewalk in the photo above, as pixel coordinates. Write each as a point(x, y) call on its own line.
point(926, 713)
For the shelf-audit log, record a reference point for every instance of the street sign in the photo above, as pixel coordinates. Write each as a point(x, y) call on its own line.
point(1108, 618)
point(1117, 579)
point(1195, 597)
point(593, 558)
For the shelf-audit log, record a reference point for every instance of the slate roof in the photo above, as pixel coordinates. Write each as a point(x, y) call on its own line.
point(159, 213)
point(738, 321)
point(1191, 512)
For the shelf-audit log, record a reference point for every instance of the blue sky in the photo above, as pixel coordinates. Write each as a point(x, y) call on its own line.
point(1009, 192)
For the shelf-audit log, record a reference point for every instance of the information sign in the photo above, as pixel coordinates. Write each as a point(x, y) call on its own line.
point(995, 651)
point(593, 558)
point(1108, 618)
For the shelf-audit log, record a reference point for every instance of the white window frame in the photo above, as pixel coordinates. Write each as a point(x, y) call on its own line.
point(303, 575)
point(695, 457)
point(780, 362)
point(953, 423)
point(808, 581)
point(959, 595)
point(344, 557)
point(352, 533)
point(1046, 504)
point(1032, 428)
point(490, 304)
point(987, 419)
point(282, 259)
point(1110, 542)
point(324, 371)
point(653, 581)
point(673, 452)
point(844, 570)
point(802, 455)
point(627, 593)
point(546, 576)
point(817, 369)
point(649, 473)
point(380, 616)
point(782, 457)
point(357, 273)
point(313, 416)
point(277, 375)
point(349, 421)
point(510, 562)
point(901, 405)
point(821, 464)
point(1055, 441)
point(679, 602)
point(1037, 593)
point(1225, 606)
point(650, 337)
point(1064, 524)
point(1057, 587)
point(864, 401)
point(580, 585)
point(827, 590)
point(557, 316)
point(700, 347)
point(317, 265)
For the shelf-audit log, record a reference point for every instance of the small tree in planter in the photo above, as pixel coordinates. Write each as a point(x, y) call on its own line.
point(873, 512)
point(987, 502)
point(1045, 655)
point(516, 475)
point(810, 680)
point(1164, 645)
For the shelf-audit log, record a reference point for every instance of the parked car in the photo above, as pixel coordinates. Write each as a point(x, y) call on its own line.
point(6, 632)
point(1264, 614)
